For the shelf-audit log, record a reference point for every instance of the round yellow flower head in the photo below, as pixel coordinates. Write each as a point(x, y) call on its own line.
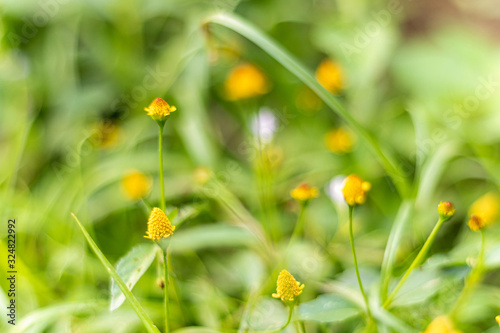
point(497, 318)
point(355, 190)
point(159, 110)
point(287, 287)
point(304, 192)
point(245, 81)
point(484, 211)
point(159, 225)
point(340, 140)
point(136, 185)
point(446, 210)
point(441, 324)
point(329, 75)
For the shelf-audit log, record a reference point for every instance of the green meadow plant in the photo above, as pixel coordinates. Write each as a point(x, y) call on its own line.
point(368, 300)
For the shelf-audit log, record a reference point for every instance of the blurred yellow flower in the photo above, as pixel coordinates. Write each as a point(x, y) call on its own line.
point(484, 211)
point(441, 324)
point(202, 175)
point(287, 287)
point(497, 318)
point(308, 101)
point(106, 134)
point(159, 225)
point(329, 75)
point(304, 192)
point(446, 210)
point(355, 190)
point(245, 81)
point(136, 185)
point(159, 110)
point(340, 140)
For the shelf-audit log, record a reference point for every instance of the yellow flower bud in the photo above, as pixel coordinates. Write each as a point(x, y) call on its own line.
point(245, 81)
point(497, 318)
point(355, 190)
point(136, 185)
point(484, 211)
point(159, 110)
point(340, 140)
point(159, 225)
point(287, 287)
point(446, 210)
point(441, 324)
point(329, 75)
point(304, 192)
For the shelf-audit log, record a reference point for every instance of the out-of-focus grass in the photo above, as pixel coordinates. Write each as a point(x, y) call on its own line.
point(67, 68)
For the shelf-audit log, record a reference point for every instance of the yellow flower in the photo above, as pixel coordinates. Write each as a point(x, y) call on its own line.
point(202, 175)
point(158, 225)
point(246, 81)
point(340, 140)
point(304, 192)
point(287, 287)
point(355, 190)
point(329, 75)
point(446, 210)
point(441, 324)
point(159, 110)
point(497, 318)
point(308, 101)
point(106, 134)
point(484, 211)
point(136, 185)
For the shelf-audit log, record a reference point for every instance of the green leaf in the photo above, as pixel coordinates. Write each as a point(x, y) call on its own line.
point(420, 286)
point(143, 316)
point(327, 309)
point(173, 214)
point(195, 329)
point(130, 268)
point(213, 235)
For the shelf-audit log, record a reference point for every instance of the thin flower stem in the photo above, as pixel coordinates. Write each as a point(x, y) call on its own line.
point(160, 154)
point(290, 313)
point(351, 238)
point(165, 288)
point(416, 262)
point(471, 281)
point(299, 226)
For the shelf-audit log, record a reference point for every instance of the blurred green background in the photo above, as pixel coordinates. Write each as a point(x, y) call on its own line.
point(422, 77)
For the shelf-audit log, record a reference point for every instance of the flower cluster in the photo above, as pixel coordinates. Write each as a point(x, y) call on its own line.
point(160, 110)
point(287, 287)
point(159, 225)
point(355, 190)
point(304, 192)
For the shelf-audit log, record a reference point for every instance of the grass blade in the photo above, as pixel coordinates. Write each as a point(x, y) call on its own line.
point(148, 323)
point(247, 30)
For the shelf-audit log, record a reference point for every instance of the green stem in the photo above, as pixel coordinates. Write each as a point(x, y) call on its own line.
point(471, 281)
point(299, 226)
point(416, 262)
point(165, 288)
point(290, 313)
point(160, 154)
point(351, 238)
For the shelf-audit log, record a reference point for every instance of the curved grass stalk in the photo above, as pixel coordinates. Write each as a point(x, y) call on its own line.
point(418, 260)
point(250, 32)
point(143, 316)
point(360, 283)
